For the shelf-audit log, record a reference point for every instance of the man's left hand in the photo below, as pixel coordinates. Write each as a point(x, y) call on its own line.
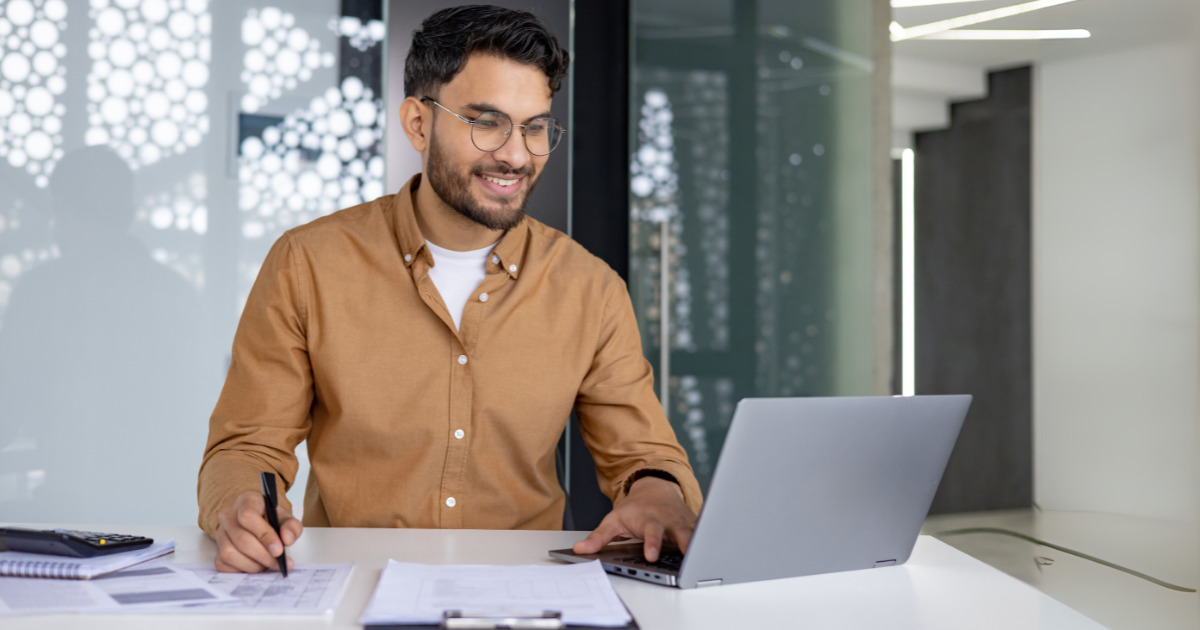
point(653, 508)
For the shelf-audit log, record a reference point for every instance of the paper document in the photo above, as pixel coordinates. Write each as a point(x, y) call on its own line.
point(140, 588)
point(308, 589)
point(21, 564)
point(420, 593)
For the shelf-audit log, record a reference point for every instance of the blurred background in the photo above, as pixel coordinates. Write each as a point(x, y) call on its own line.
point(805, 197)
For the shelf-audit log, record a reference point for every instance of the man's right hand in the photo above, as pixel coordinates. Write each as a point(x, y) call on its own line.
point(246, 542)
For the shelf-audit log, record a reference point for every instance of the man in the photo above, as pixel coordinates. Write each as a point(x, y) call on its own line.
point(431, 345)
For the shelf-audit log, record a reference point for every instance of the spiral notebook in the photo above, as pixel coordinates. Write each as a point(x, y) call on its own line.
point(36, 565)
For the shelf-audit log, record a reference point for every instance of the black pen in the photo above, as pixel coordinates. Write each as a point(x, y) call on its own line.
point(271, 498)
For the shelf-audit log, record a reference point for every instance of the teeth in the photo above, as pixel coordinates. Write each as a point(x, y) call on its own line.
point(502, 182)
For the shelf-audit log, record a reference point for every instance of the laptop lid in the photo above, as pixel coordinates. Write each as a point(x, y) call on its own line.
point(817, 485)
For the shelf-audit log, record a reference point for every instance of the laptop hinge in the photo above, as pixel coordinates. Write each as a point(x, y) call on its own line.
point(703, 583)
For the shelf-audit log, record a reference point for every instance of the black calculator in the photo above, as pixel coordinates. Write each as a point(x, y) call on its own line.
point(68, 542)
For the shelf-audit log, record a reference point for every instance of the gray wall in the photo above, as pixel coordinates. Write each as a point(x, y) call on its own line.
point(973, 313)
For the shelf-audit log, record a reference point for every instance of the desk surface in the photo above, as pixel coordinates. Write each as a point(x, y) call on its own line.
point(940, 587)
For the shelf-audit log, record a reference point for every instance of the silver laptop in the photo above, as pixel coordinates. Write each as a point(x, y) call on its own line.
point(807, 486)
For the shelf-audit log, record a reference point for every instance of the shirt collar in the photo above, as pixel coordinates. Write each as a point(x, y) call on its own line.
point(507, 256)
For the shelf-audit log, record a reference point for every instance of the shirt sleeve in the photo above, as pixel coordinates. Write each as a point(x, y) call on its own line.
point(264, 409)
point(622, 421)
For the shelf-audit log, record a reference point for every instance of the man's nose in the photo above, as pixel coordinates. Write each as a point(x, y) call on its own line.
point(513, 153)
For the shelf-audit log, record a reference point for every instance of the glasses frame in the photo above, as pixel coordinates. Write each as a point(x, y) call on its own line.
point(507, 134)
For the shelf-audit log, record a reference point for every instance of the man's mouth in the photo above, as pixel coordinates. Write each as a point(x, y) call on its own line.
point(502, 186)
point(502, 182)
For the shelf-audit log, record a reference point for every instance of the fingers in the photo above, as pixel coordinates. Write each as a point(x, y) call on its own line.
point(652, 536)
point(231, 560)
point(251, 518)
point(290, 528)
point(246, 542)
point(681, 535)
point(596, 540)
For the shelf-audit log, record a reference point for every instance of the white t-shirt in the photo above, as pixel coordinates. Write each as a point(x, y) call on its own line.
point(456, 276)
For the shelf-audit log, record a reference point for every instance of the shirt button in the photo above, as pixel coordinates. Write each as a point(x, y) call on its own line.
point(459, 434)
point(512, 268)
point(408, 258)
point(482, 297)
point(495, 259)
point(450, 502)
point(462, 359)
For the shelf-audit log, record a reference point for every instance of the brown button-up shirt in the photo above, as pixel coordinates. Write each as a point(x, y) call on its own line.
point(345, 342)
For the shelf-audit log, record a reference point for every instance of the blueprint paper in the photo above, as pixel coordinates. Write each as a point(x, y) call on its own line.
point(308, 589)
point(144, 588)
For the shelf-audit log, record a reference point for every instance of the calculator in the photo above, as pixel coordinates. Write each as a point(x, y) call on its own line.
point(68, 542)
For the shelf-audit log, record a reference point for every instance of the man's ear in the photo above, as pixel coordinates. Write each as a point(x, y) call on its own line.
point(415, 119)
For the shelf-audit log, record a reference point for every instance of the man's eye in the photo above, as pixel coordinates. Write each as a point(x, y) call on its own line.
point(486, 123)
point(537, 129)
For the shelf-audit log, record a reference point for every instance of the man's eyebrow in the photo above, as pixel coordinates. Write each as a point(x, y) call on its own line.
point(488, 107)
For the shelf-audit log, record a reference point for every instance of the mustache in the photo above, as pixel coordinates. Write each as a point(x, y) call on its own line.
point(500, 169)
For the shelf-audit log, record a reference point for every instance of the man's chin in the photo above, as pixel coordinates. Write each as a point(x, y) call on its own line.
point(497, 214)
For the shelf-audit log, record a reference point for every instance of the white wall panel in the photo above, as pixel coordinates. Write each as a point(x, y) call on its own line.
point(1116, 287)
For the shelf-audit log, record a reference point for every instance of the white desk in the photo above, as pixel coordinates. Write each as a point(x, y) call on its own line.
point(939, 588)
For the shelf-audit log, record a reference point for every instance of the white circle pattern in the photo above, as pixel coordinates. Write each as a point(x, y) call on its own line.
point(313, 163)
point(31, 79)
point(281, 56)
point(361, 36)
point(149, 70)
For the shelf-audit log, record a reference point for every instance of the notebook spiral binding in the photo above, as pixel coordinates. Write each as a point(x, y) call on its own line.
point(40, 569)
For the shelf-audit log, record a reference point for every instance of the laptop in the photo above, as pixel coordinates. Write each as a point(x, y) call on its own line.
point(807, 486)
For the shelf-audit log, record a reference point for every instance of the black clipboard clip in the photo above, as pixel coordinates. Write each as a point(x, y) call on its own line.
point(545, 620)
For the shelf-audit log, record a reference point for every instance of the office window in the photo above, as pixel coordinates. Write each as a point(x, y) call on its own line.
point(236, 120)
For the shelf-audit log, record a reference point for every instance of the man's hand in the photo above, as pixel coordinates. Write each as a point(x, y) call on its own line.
point(653, 507)
point(246, 542)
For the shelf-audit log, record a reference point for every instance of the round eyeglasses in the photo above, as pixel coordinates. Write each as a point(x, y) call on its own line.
point(490, 130)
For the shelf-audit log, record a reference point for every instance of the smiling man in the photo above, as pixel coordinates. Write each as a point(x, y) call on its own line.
point(430, 345)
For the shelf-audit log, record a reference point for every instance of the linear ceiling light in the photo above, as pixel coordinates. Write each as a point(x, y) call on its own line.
point(974, 18)
point(976, 35)
point(898, 4)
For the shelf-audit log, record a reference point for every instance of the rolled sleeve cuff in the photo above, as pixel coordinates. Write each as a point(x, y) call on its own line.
point(681, 474)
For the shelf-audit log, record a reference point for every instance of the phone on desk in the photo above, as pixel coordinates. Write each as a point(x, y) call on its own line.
point(68, 542)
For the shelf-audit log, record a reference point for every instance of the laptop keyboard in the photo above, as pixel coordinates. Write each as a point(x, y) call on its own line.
point(667, 559)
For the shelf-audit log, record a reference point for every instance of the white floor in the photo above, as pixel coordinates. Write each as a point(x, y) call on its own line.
point(1163, 550)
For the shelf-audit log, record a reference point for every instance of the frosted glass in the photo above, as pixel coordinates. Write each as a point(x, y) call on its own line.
point(139, 193)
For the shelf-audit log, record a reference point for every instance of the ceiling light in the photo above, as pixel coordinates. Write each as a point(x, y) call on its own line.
point(897, 4)
point(975, 18)
point(999, 35)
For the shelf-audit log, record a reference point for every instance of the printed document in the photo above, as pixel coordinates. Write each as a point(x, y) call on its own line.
point(420, 593)
point(141, 588)
point(308, 589)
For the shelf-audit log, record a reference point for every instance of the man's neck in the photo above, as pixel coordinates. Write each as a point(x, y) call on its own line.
point(443, 226)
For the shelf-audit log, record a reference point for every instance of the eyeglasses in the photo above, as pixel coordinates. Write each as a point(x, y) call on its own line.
point(490, 130)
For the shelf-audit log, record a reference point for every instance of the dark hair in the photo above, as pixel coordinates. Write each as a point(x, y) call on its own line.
point(447, 38)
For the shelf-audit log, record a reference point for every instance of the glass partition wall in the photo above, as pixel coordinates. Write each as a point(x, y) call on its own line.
point(236, 120)
point(751, 228)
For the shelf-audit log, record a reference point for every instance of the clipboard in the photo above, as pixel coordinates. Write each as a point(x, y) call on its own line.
point(545, 620)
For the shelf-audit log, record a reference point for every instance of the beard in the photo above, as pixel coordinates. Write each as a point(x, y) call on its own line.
point(454, 188)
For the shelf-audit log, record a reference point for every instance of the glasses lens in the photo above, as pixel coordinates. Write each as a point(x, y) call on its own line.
point(542, 135)
point(490, 131)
